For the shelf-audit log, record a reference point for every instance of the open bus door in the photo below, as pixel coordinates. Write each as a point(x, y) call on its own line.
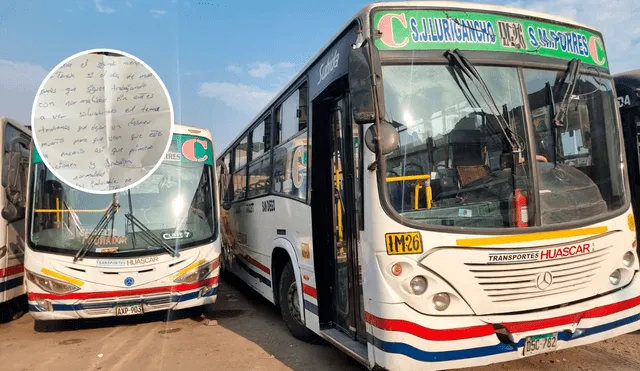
point(15, 165)
point(628, 92)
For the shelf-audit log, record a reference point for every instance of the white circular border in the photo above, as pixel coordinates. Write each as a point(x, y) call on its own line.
point(34, 129)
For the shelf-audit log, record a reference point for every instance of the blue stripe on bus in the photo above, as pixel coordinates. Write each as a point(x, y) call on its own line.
point(11, 284)
point(311, 307)
point(86, 306)
point(453, 355)
point(252, 273)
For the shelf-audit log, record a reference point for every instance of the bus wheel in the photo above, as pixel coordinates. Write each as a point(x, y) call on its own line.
point(290, 305)
point(6, 312)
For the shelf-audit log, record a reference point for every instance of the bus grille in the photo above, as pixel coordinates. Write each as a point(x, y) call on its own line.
point(512, 283)
point(101, 306)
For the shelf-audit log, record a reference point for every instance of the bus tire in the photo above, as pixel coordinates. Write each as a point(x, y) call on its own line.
point(6, 312)
point(288, 295)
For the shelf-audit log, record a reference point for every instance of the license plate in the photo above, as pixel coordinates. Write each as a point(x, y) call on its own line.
point(540, 344)
point(126, 310)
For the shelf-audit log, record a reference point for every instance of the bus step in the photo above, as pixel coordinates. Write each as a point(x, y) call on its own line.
point(351, 347)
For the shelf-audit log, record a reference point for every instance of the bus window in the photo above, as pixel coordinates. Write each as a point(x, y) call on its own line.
point(15, 168)
point(291, 115)
point(290, 167)
point(585, 148)
point(451, 167)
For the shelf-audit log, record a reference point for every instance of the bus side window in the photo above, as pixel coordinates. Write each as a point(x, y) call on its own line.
point(290, 167)
point(291, 115)
point(240, 170)
point(14, 172)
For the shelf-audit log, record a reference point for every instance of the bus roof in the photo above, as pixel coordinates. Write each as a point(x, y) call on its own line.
point(15, 123)
point(631, 77)
point(361, 15)
point(192, 130)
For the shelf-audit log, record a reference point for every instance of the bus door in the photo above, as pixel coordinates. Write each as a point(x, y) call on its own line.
point(15, 165)
point(346, 296)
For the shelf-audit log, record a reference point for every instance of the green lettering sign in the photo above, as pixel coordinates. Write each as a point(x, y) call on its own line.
point(183, 148)
point(442, 30)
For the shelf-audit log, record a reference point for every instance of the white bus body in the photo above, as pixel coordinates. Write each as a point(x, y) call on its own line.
point(488, 219)
point(15, 165)
point(159, 251)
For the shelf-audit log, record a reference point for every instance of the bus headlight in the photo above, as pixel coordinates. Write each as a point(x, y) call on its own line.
point(628, 259)
point(418, 285)
point(615, 277)
point(198, 273)
point(441, 301)
point(51, 285)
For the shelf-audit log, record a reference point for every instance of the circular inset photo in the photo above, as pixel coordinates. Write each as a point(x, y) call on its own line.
point(102, 121)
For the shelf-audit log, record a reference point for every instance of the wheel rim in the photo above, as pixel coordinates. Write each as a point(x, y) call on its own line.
point(293, 302)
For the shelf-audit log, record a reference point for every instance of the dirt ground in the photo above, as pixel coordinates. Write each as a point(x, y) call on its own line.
point(250, 335)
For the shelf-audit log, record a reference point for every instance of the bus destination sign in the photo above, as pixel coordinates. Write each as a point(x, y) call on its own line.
point(476, 31)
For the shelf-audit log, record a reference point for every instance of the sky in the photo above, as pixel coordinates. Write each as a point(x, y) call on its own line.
point(223, 61)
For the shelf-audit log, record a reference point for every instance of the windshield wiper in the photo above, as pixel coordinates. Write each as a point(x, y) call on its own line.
point(560, 114)
point(151, 238)
point(97, 231)
point(467, 71)
point(571, 78)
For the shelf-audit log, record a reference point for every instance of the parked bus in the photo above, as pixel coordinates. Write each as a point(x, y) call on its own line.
point(152, 247)
point(487, 216)
point(628, 91)
point(14, 164)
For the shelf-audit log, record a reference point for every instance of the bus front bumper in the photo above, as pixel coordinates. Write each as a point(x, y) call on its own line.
point(404, 339)
point(106, 303)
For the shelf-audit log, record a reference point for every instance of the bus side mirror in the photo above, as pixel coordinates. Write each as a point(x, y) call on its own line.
point(361, 86)
point(10, 212)
point(389, 138)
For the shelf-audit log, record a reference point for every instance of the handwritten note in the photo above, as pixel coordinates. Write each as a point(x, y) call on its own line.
point(102, 123)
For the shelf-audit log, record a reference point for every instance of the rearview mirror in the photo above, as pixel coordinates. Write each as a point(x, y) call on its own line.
point(389, 138)
point(361, 86)
point(10, 212)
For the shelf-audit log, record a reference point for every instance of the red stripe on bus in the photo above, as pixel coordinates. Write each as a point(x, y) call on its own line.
point(311, 291)
point(259, 265)
point(10, 271)
point(484, 330)
point(602, 311)
point(428, 333)
point(112, 294)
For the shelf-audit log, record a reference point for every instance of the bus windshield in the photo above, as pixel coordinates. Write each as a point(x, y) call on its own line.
point(175, 204)
point(453, 140)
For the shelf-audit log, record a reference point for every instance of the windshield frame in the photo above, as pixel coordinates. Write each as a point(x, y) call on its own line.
point(209, 168)
point(495, 59)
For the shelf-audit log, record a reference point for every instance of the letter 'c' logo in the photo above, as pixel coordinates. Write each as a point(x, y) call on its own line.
point(385, 26)
point(596, 47)
point(189, 150)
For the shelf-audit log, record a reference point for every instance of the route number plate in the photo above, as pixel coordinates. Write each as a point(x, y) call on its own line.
point(403, 243)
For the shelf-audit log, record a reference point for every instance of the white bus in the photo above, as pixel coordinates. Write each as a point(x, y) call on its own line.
point(462, 197)
point(15, 165)
point(153, 247)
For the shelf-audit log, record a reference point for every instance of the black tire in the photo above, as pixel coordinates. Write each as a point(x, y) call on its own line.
point(287, 289)
point(6, 312)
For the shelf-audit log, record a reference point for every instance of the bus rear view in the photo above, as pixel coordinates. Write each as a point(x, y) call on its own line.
point(152, 247)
